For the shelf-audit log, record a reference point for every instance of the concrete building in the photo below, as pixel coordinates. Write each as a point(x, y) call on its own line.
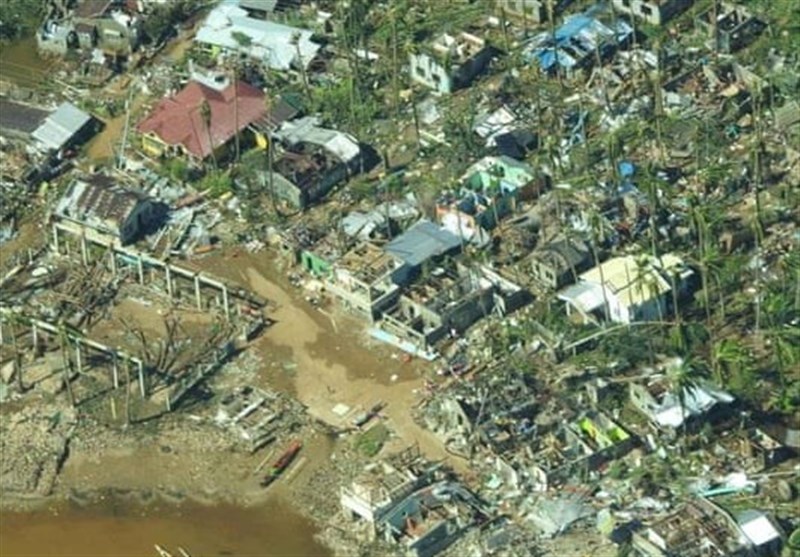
point(735, 26)
point(99, 205)
point(559, 262)
point(366, 279)
point(450, 62)
point(229, 28)
point(372, 494)
point(627, 289)
point(654, 12)
point(488, 192)
point(696, 529)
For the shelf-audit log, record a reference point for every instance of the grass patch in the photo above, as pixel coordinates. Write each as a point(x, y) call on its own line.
point(371, 441)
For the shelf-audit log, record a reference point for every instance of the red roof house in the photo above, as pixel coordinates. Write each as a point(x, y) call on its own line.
point(178, 121)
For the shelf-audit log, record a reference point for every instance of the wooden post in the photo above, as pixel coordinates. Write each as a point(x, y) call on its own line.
point(142, 388)
point(140, 268)
point(127, 393)
point(115, 370)
point(84, 250)
point(113, 262)
point(197, 298)
point(55, 239)
point(78, 357)
point(169, 280)
point(225, 305)
point(35, 335)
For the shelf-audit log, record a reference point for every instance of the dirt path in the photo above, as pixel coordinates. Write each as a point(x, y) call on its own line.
point(324, 373)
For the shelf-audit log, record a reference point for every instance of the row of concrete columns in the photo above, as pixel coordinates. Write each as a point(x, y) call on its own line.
point(80, 345)
point(169, 270)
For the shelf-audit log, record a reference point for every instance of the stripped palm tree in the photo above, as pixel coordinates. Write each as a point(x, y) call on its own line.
point(205, 115)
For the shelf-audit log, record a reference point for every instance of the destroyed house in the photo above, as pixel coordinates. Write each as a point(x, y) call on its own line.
point(229, 28)
point(110, 24)
point(533, 11)
point(735, 26)
point(441, 305)
point(447, 303)
point(499, 408)
point(654, 12)
point(201, 120)
point(628, 289)
point(581, 445)
point(757, 450)
point(99, 204)
point(316, 160)
point(577, 43)
point(701, 403)
point(559, 262)
point(489, 191)
point(697, 529)
point(450, 62)
point(432, 518)
point(364, 279)
point(379, 488)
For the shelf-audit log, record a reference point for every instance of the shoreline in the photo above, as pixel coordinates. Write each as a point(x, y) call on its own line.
point(318, 358)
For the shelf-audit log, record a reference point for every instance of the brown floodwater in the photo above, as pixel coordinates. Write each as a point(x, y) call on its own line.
point(125, 530)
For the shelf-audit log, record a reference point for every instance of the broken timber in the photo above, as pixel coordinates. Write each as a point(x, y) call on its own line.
point(171, 272)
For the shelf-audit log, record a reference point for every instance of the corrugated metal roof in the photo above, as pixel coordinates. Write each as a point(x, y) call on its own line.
point(61, 126)
point(423, 241)
point(99, 202)
point(269, 41)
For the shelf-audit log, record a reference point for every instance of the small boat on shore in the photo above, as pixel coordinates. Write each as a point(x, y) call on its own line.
point(282, 463)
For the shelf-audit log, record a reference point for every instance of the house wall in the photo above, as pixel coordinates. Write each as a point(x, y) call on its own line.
point(52, 45)
point(325, 184)
point(534, 11)
point(370, 300)
point(468, 310)
point(655, 13)
point(144, 217)
point(434, 540)
point(472, 68)
point(425, 69)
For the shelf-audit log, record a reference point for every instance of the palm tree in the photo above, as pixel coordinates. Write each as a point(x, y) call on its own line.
point(205, 115)
point(301, 63)
point(596, 226)
point(683, 378)
point(727, 357)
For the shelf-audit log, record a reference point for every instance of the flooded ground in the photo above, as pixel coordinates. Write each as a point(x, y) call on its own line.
point(131, 531)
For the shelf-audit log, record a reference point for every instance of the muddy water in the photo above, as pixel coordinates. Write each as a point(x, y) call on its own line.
point(20, 63)
point(131, 531)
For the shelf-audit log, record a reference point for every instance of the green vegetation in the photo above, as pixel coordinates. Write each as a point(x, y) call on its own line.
point(19, 18)
point(371, 441)
point(217, 182)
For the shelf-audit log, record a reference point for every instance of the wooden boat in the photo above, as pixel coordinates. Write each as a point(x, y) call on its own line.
point(283, 462)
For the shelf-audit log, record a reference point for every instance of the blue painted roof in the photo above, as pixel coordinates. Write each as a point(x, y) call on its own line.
point(423, 241)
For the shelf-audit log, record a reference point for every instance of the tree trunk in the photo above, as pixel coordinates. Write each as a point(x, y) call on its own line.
point(67, 365)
